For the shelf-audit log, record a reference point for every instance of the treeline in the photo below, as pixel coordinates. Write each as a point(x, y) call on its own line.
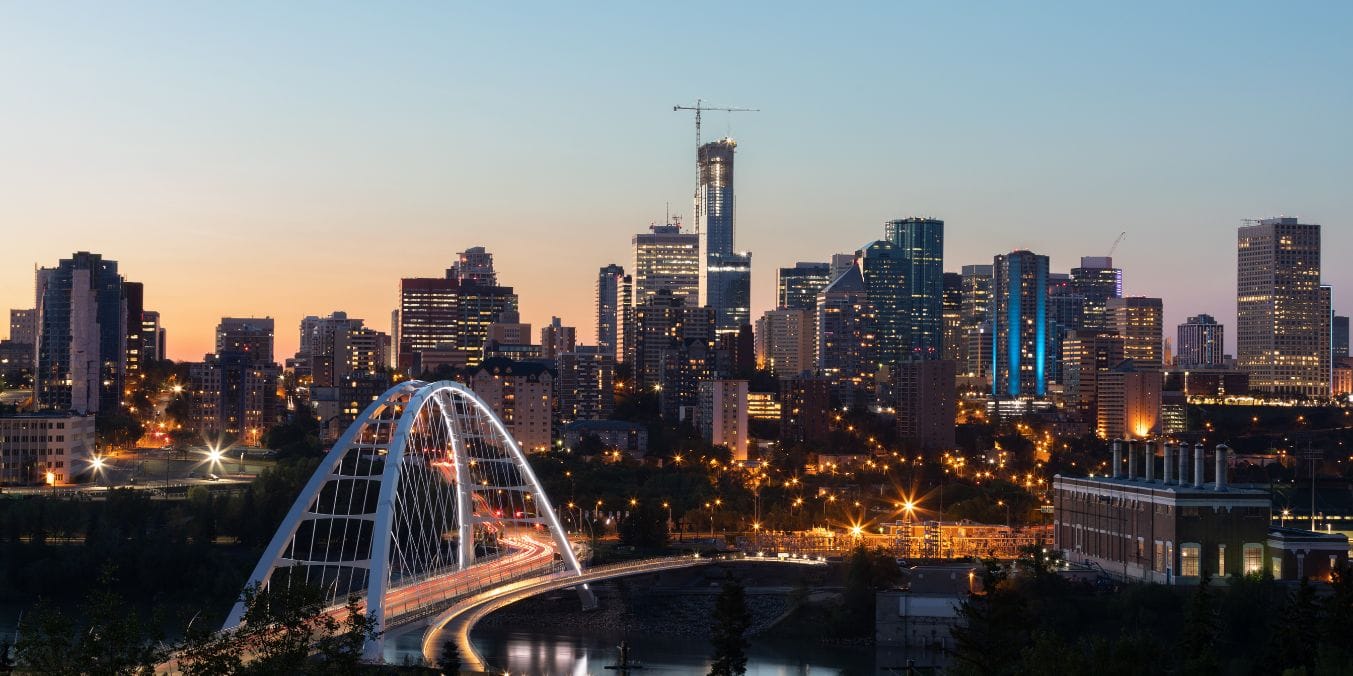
point(1036, 622)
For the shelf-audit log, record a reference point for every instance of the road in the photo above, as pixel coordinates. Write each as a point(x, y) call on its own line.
point(456, 623)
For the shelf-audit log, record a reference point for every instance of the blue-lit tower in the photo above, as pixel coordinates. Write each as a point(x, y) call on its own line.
point(1019, 318)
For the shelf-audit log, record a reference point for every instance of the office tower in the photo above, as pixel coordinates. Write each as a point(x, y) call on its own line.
point(1128, 403)
point(666, 259)
point(1019, 317)
point(508, 329)
point(846, 335)
point(336, 347)
point(556, 339)
point(232, 396)
point(839, 264)
point(133, 294)
point(798, 287)
point(920, 244)
point(735, 353)
point(952, 313)
point(728, 290)
point(1096, 280)
point(673, 350)
point(586, 384)
point(152, 337)
point(1066, 311)
point(1325, 329)
point(882, 271)
point(1340, 336)
point(252, 336)
point(473, 265)
point(23, 326)
point(1086, 354)
point(610, 317)
point(723, 415)
point(805, 409)
point(975, 310)
point(785, 340)
point(1279, 308)
point(522, 395)
point(927, 404)
point(427, 319)
point(979, 346)
point(714, 196)
point(1199, 343)
point(478, 306)
point(1140, 321)
point(82, 334)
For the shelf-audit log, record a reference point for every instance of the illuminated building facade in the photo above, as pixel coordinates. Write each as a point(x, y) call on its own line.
point(1096, 281)
point(666, 259)
point(1127, 402)
point(846, 335)
point(522, 395)
point(1280, 308)
point(1140, 321)
point(798, 287)
point(920, 243)
point(611, 312)
point(1199, 343)
point(251, 336)
point(723, 415)
point(45, 447)
point(728, 284)
point(784, 341)
point(81, 335)
point(1019, 318)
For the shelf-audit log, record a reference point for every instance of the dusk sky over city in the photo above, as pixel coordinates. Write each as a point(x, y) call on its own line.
point(290, 159)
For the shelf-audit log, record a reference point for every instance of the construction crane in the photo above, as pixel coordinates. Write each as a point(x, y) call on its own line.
point(1116, 242)
point(700, 107)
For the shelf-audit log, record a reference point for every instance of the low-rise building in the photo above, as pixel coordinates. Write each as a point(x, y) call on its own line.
point(615, 435)
point(45, 448)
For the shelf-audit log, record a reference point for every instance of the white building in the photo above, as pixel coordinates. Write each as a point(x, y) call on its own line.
point(49, 448)
point(723, 414)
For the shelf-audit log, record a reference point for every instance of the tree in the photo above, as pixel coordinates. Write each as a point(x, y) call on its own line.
point(117, 428)
point(1199, 631)
point(1295, 638)
point(450, 661)
point(645, 526)
point(112, 641)
point(729, 637)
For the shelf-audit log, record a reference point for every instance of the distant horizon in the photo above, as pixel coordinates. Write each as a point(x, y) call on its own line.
point(295, 160)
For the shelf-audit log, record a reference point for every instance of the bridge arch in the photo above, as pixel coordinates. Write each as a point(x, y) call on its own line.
point(425, 497)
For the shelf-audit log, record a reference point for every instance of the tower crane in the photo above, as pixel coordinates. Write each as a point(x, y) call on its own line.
point(1116, 242)
point(700, 107)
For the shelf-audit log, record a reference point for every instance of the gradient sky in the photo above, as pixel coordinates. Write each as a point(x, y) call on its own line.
point(284, 159)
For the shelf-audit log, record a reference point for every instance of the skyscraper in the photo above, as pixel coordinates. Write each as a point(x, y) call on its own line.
point(1198, 343)
point(728, 282)
point(920, 243)
point(1019, 317)
point(798, 287)
point(975, 313)
point(1096, 280)
point(882, 269)
point(610, 318)
point(926, 404)
point(23, 326)
point(1340, 332)
point(784, 339)
point(474, 264)
point(955, 346)
point(1140, 321)
point(714, 196)
point(82, 335)
point(1280, 309)
point(666, 258)
point(252, 336)
point(427, 318)
point(846, 335)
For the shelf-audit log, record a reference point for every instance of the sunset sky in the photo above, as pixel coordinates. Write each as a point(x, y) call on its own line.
point(285, 159)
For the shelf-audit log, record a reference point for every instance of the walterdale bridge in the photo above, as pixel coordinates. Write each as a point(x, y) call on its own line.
point(426, 510)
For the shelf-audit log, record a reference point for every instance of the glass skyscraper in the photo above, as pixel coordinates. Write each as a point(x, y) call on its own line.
point(883, 272)
point(82, 334)
point(729, 281)
point(920, 243)
point(1019, 318)
point(727, 273)
point(797, 287)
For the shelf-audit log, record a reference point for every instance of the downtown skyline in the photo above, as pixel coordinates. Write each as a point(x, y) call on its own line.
point(302, 197)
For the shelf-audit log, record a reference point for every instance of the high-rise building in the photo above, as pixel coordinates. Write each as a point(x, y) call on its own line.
point(1279, 308)
point(723, 415)
point(975, 314)
point(1019, 317)
point(1339, 349)
point(673, 350)
point(522, 395)
point(82, 335)
point(427, 318)
point(669, 259)
point(474, 265)
point(798, 287)
point(846, 335)
point(728, 290)
point(586, 384)
point(1128, 403)
point(805, 407)
point(883, 271)
point(1141, 323)
point(556, 339)
point(336, 347)
point(477, 307)
point(714, 196)
point(839, 264)
point(1086, 354)
point(955, 343)
point(23, 326)
point(927, 404)
point(785, 340)
point(610, 311)
point(152, 336)
point(1199, 343)
point(252, 336)
point(133, 294)
point(1096, 280)
point(1066, 312)
point(920, 243)
point(510, 329)
point(233, 396)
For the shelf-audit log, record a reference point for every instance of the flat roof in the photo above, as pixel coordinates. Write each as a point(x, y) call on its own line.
point(1160, 486)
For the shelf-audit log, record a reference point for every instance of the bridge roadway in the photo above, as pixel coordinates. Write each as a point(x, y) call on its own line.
point(460, 618)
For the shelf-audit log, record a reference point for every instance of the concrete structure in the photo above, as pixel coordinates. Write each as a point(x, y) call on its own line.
point(1127, 402)
point(921, 618)
point(673, 351)
point(1019, 317)
point(521, 394)
point(846, 334)
point(1207, 382)
point(556, 339)
point(81, 335)
point(723, 415)
point(1153, 525)
point(586, 384)
point(805, 407)
point(510, 329)
point(617, 435)
point(612, 312)
point(1140, 322)
point(666, 259)
point(45, 448)
point(797, 287)
point(1199, 343)
point(23, 326)
point(927, 404)
point(1281, 311)
point(785, 341)
point(251, 336)
point(1086, 355)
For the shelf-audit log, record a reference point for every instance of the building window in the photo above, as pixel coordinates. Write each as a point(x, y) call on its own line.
point(1158, 561)
point(1190, 559)
point(1221, 560)
point(1277, 567)
point(1253, 559)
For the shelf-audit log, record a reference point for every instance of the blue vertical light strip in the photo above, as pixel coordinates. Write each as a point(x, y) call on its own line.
point(1014, 280)
point(995, 314)
point(1041, 324)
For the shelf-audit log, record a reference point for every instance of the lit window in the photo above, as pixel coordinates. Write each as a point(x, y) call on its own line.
point(1190, 559)
point(1253, 559)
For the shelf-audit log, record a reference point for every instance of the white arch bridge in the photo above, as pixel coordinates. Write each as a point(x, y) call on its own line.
point(425, 499)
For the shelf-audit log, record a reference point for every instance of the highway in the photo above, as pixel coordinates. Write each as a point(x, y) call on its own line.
point(456, 622)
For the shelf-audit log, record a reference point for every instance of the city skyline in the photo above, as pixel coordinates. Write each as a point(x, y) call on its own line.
point(273, 203)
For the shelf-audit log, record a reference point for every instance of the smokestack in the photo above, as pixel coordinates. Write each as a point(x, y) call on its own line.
point(1222, 452)
point(1149, 455)
point(1168, 475)
point(1198, 469)
point(1183, 477)
point(1132, 460)
point(1117, 458)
